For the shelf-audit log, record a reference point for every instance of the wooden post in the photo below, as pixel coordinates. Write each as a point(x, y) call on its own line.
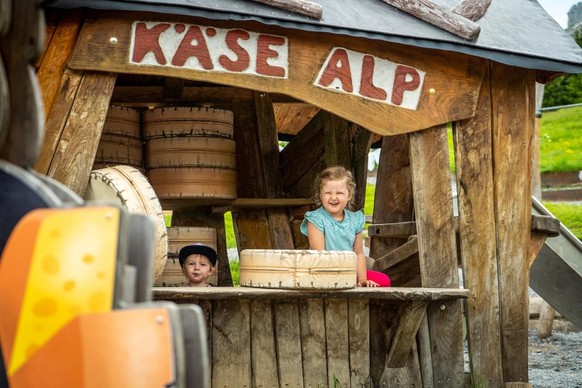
point(473, 159)
point(360, 150)
point(54, 62)
point(73, 131)
point(258, 168)
point(513, 91)
point(393, 202)
point(433, 203)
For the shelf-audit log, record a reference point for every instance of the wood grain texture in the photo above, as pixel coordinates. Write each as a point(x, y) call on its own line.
point(474, 161)
point(513, 91)
point(75, 152)
point(437, 247)
point(303, 7)
point(359, 342)
point(186, 294)
point(405, 333)
point(288, 343)
point(312, 320)
point(472, 9)
point(292, 117)
point(263, 351)
point(54, 62)
point(393, 202)
point(231, 343)
point(337, 141)
point(438, 16)
point(455, 86)
point(337, 339)
point(57, 119)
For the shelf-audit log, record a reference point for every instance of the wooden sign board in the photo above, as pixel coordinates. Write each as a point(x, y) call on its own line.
point(386, 88)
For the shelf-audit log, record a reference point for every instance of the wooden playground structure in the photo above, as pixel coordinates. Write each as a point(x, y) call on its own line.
point(332, 93)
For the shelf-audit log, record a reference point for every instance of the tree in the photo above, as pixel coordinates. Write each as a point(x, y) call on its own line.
point(566, 89)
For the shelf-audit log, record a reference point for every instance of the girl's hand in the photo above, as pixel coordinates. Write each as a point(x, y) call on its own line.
point(367, 283)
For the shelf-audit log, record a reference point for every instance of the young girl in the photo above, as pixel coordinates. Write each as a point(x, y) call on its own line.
point(333, 227)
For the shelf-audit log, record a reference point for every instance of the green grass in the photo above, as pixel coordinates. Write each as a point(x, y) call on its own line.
point(569, 214)
point(561, 140)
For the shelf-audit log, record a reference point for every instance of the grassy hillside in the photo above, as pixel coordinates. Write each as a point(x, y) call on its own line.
point(561, 140)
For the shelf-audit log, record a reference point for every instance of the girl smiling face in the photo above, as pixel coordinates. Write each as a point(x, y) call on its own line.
point(335, 196)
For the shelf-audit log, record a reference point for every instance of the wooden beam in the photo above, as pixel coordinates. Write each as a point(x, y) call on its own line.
point(473, 158)
point(472, 9)
point(409, 321)
point(396, 256)
point(448, 93)
point(513, 115)
point(54, 62)
point(75, 130)
point(400, 230)
point(303, 7)
point(433, 204)
point(186, 294)
point(438, 16)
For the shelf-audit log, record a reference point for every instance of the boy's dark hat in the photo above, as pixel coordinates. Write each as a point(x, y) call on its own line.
point(197, 249)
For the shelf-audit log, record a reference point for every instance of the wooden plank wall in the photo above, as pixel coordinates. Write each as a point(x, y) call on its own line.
point(294, 343)
point(513, 91)
point(477, 232)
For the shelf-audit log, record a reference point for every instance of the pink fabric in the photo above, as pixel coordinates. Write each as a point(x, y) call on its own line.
point(382, 279)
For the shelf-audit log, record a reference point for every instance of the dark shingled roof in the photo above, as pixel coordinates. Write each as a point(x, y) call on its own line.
point(514, 32)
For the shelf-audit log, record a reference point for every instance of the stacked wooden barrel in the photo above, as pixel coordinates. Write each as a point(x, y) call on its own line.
point(190, 152)
point(179, 236)
point(121, 141)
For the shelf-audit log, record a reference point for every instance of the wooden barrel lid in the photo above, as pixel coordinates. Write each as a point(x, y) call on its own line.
point(127, 187)
point(186, 121)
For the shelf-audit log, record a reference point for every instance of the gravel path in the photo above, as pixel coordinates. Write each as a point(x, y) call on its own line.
point(555, 361)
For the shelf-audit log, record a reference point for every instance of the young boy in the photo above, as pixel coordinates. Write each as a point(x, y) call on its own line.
point(197, 262)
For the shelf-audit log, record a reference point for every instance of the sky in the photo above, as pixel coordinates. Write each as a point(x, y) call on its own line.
point(558, 9)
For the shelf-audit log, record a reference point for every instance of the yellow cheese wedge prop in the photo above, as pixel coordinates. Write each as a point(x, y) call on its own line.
point(122, 348)
point(57, 265)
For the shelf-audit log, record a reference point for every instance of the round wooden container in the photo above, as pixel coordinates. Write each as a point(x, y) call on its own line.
point(122, 121)
point(190, 182)
point(119, 149)
point(186, 121)
point(179, 236)
point(190, 152)
point(120, 141)
point(129, 188)
point(297, 269)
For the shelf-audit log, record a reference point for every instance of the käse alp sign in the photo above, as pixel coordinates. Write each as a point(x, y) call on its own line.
point(211, 49)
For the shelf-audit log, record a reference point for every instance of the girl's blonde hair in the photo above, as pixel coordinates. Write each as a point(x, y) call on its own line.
point(335, 173)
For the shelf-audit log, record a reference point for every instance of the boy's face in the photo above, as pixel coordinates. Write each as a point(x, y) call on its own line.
point(197, 269)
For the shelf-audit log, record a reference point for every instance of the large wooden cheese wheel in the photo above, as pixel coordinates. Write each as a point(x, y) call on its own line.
point(297, 269)
point(179, 236)
point(190, 152)
point(127, 187)
point(186, 182)
point(186, 121)
point(121, 141)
